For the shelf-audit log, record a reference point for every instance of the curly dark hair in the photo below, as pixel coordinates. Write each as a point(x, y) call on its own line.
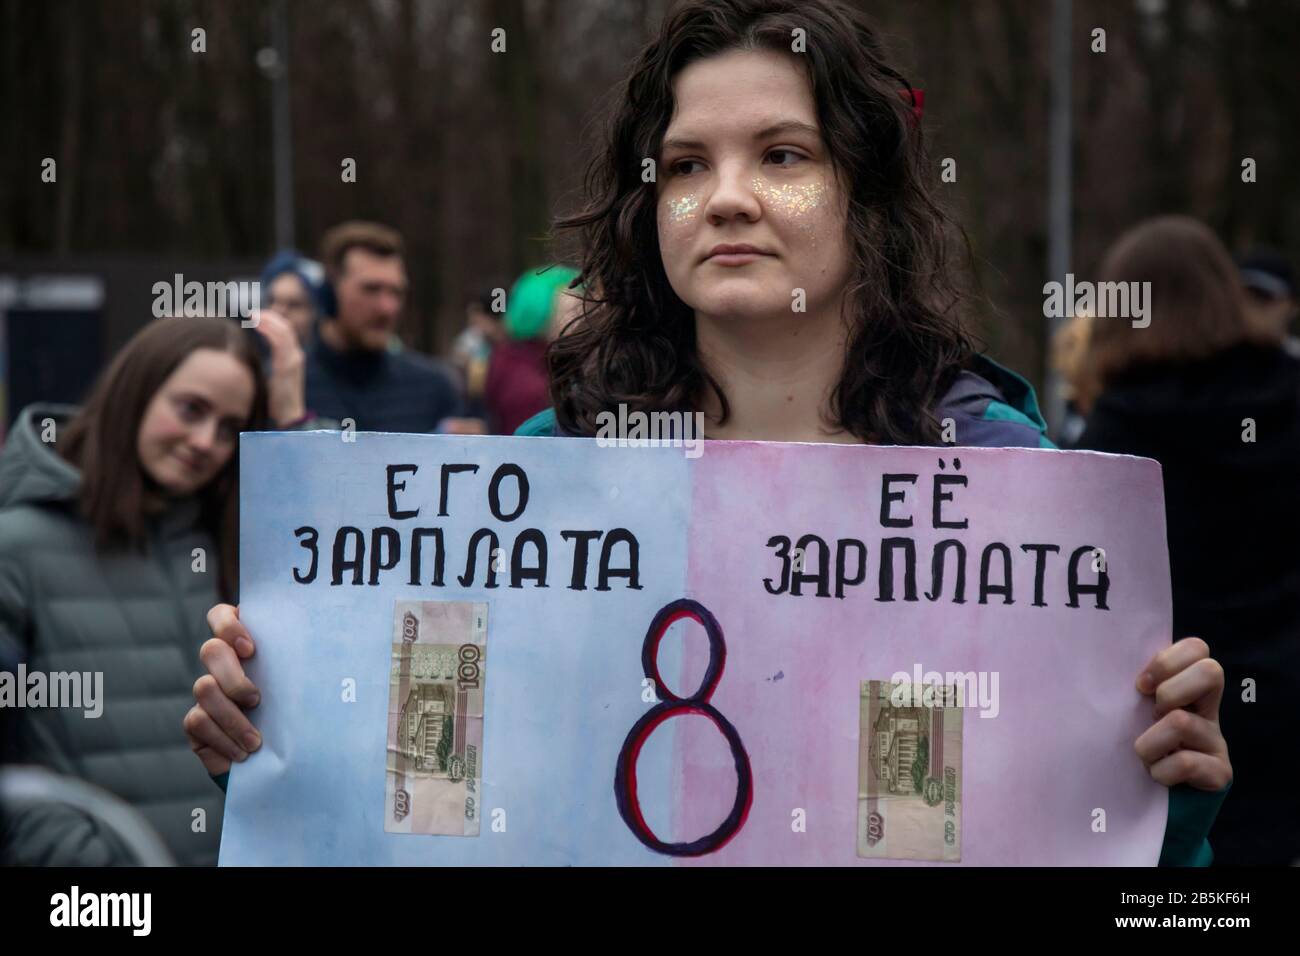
point(634, 341)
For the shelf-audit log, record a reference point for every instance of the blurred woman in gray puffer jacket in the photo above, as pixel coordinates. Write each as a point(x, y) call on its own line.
point(118, 530)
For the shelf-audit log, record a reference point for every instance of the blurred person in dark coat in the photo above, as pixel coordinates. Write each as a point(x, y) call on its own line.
point(1207, 390)
point(352, 369)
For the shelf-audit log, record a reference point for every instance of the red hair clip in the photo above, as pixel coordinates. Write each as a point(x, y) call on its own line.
point(917, 100)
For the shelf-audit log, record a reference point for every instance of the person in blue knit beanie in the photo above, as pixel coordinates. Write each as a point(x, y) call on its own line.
point(295, 287)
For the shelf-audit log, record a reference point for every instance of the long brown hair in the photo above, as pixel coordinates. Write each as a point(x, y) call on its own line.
point(635, 339)
point(101, 439)
point(1197, 303)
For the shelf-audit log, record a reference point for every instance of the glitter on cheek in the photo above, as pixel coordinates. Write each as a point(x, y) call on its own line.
point(683, 211)
point(799, 202)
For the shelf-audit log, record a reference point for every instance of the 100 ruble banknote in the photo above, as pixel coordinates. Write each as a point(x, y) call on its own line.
point(435, 718)
point(909, 771)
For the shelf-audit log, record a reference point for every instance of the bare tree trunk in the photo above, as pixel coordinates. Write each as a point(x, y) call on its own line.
point(520, 84)
point(70, 131)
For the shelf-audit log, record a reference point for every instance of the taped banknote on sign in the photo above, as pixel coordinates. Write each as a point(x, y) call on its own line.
point(435, 718)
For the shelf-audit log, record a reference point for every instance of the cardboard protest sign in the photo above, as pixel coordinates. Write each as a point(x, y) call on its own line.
point(544, 651)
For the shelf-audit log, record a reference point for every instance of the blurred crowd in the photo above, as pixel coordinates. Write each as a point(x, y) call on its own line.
point(114, 498)
point(346, 362)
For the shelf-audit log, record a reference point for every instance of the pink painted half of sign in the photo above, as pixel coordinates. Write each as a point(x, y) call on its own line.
point(1057, 745)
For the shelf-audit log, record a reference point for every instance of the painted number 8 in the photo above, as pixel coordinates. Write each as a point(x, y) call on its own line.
point(670, 705)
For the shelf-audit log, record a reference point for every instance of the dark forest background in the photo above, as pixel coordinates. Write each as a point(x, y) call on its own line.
point(166, 153)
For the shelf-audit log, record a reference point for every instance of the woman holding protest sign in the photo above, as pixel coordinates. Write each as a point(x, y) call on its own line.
point(783, 273)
